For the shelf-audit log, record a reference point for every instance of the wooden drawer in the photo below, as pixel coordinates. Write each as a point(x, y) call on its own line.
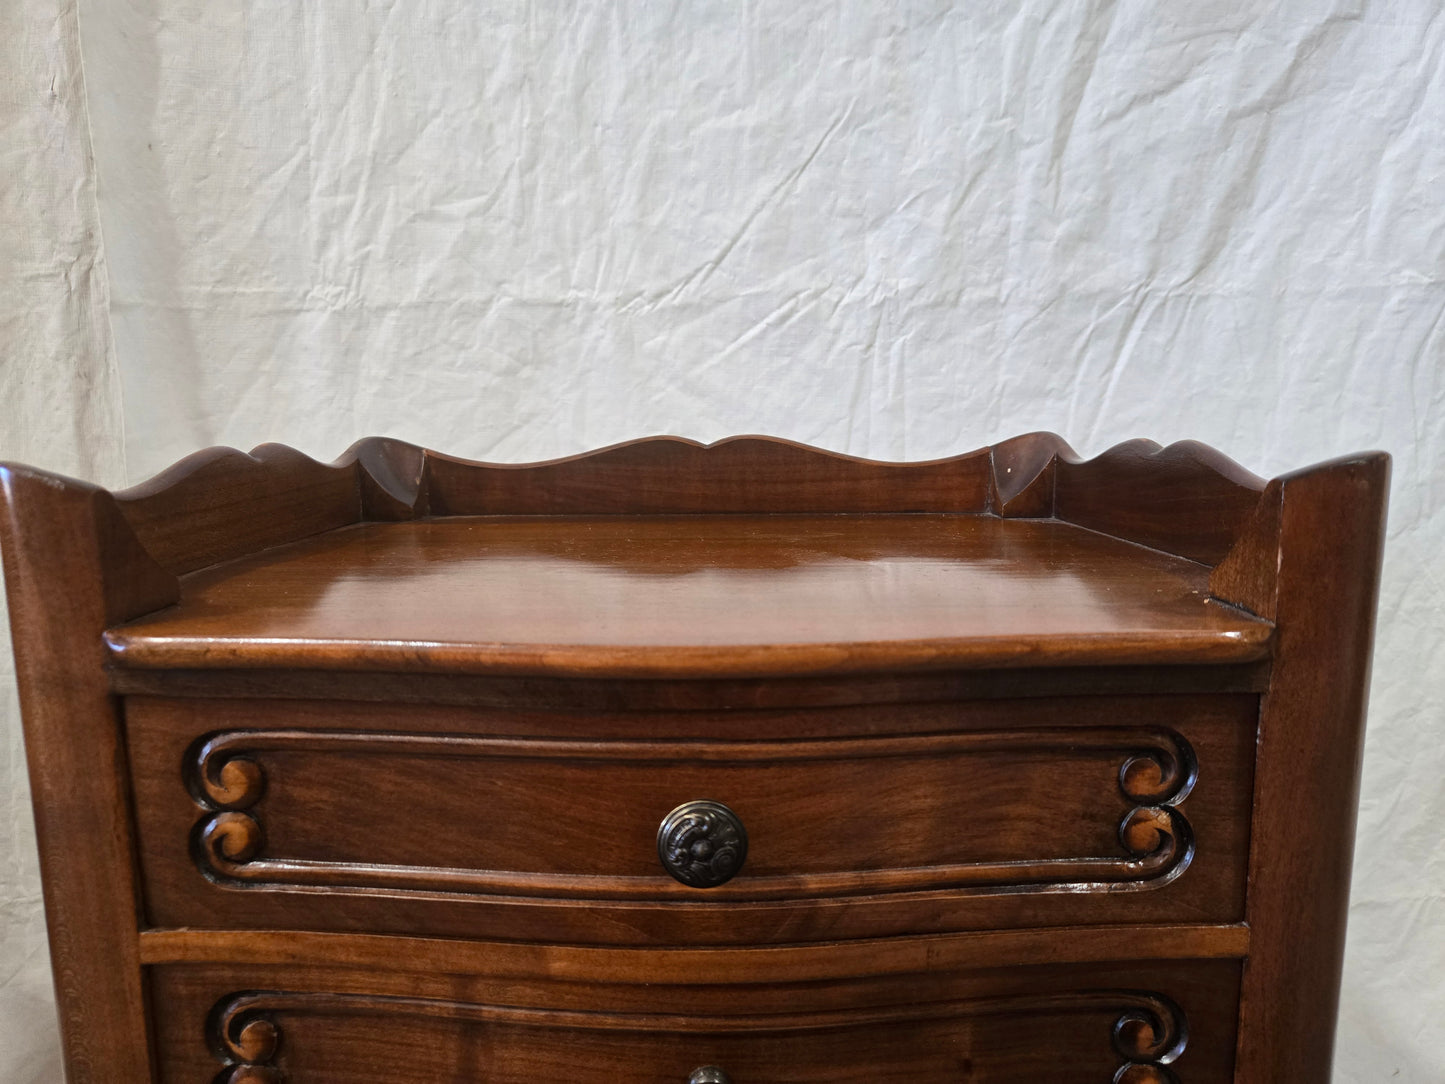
point(1128, 1023)
point(909, 818)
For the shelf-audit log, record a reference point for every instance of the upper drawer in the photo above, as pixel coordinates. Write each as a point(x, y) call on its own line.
point(471, 823)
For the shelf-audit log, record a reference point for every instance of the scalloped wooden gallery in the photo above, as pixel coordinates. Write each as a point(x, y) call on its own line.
point(668, 762)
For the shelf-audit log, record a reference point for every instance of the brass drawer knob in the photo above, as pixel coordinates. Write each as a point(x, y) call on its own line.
point(702, 844)
point(709, 1074)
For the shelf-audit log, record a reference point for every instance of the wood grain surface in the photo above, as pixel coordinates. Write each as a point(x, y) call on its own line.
point(861, 958)
point(671, 475)
point(696, 596)
point(72, 566)
point(1327, 552)
point(602, 695)
point(1064, 1024)
point(497, 822)
point(222, 503)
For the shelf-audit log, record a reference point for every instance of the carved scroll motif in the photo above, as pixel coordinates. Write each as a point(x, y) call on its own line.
point(246, 1039)
point(1149, 1033)
point(228, 785)
point(1157, 772)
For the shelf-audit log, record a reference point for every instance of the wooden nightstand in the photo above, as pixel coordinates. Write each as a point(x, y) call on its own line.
point(674, 763)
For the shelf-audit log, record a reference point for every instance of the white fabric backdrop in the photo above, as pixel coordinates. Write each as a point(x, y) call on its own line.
point(59, 405)
point(519, 230)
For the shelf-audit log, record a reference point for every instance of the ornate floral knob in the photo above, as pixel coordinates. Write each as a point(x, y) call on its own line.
point(702, 844)
point(709, 1074)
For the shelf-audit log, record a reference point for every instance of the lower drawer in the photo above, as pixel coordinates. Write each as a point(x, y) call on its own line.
point(1127, 1023)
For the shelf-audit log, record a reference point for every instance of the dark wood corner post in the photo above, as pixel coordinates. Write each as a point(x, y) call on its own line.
point(72, 566)
point(1310, 560)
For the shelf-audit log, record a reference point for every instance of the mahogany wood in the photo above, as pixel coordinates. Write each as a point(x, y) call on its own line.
point(605, 695)
point(203, 509)
point(1185, 499)
point(72, 567)
point(760, 990)
point(703, 596)
point(1327, 551)
point(972, 804)
point(855, 959)
point(1057, 1023)
point(1039, 759)
point(1024, 473)
point(743, 474)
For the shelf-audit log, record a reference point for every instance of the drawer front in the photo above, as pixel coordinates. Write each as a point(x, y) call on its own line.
point(470, 823)
point(1116, 1023)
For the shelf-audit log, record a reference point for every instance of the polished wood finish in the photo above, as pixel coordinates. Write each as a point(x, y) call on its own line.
point(1136, 491)
point(607, 694)
point(1311, 740)
point(668, 475)
point(1048, 767)
point(1185, 499)
point(1064, 1023)
point(703, 596)
point(72, 567)
point(972, 804)
point(855, 959)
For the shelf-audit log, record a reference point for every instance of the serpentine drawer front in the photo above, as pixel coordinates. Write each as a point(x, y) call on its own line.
point(707, 765)
point(1137, 1024)
point(446, 821)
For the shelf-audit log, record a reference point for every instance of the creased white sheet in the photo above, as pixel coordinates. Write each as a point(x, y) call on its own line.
point(59, 405)
point(520, 230)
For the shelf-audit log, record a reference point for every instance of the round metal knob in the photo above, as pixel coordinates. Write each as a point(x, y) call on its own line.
point(709, 1074)
point(702, 844)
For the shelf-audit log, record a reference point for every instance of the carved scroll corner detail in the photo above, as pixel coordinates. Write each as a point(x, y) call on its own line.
point(1162, 775)
point(226, 784)
point(1158, 779)
point(1150, 1035)
point(229, 838)
point(1150, 779)
point(1157, 831)
point(225, 779)
point(247, 1040)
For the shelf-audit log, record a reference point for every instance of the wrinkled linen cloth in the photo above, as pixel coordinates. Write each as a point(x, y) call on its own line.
point(521, 230)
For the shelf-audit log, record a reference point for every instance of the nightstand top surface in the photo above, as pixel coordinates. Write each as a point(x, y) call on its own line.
point(695, 596)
